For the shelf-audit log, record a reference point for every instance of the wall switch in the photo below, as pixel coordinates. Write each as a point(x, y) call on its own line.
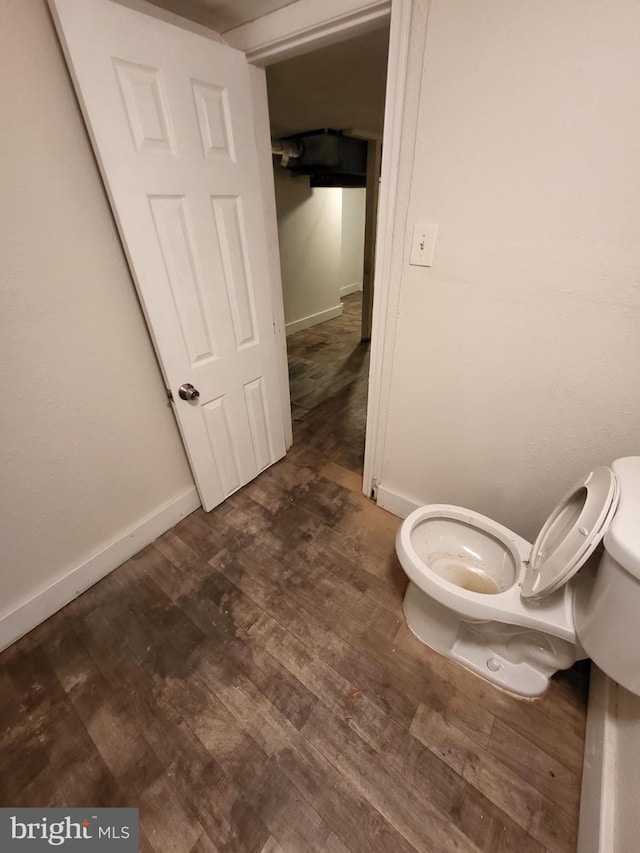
point(424, 241)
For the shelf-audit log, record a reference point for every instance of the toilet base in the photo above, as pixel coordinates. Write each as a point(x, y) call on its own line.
point(520, 660)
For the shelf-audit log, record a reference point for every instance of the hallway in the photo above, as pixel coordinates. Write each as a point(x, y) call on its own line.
point(328, 373)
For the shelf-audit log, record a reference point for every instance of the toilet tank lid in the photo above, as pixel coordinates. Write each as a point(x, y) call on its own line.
point(622, 539)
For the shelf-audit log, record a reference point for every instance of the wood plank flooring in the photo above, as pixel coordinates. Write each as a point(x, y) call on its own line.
point(328, 363)
point(248, 681)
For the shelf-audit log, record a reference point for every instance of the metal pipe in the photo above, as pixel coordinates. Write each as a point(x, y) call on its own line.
point(286, 149)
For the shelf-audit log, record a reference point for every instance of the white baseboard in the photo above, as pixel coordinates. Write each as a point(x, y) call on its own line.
point(596, 830)
point(346, 289)
point(312, 320)
point(397, 504)
point(23, 618)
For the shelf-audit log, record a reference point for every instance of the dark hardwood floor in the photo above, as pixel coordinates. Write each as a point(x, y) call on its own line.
point(248, 682)
point(328, 365)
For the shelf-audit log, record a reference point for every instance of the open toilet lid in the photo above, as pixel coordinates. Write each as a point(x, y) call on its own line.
point(571, 533)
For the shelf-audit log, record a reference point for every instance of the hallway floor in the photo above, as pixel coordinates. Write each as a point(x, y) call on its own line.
point(247, 681)
point(328, 372)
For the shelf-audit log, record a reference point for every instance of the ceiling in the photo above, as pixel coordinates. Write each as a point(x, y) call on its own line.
point(341, 86)
point(221, 15)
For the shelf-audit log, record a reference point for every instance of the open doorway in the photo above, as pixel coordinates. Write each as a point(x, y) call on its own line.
point(326, 227)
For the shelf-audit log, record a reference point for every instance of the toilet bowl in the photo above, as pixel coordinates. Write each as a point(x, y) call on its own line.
point(502, 607)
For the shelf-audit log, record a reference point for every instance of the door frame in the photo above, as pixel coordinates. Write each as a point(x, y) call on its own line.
point(299, 28)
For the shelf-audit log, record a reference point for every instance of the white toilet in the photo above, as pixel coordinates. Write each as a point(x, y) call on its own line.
point(515, 613)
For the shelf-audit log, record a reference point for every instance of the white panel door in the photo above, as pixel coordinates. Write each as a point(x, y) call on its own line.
point(170, 116)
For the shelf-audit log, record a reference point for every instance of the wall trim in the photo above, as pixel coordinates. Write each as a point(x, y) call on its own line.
point(305, 25)
point(26, 616)
point(596, 828)
point(312, 320)
point(386, 277)
point(399, 505)
point(354, 287)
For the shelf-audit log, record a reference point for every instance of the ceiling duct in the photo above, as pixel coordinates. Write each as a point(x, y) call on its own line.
point(329, 158)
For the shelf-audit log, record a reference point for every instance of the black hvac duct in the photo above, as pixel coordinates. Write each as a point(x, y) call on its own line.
point(328, 157)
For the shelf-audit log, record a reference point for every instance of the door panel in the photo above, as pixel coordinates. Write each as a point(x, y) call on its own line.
point(170, 116)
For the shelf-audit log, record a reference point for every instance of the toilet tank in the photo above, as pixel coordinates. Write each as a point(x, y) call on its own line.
point(607, 599)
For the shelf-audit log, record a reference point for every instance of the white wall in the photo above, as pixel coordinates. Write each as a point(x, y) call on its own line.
point(310, 237)
point(352, 255)
point(341, 86)
point(321, 237)
point(90, 446)
point(516, 361)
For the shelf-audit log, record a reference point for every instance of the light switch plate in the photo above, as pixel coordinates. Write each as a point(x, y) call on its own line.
point(423, 244)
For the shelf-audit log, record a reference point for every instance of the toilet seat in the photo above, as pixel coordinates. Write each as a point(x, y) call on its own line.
point(571, 533)
point(540, 597)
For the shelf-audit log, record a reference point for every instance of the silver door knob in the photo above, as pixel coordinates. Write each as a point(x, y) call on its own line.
point(188, 392)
